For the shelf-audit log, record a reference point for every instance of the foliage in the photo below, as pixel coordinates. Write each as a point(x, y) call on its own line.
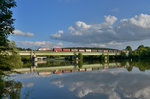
point(9, 88)
point(80, 64)
point(9, 62)
point(6, 21)
point(26, 58)
point(103, 57)
point(140, 53)
point(90, 58)
point(80, 57)
point(123, 55)
point(24, 49)
point(141, 64)
point(128, 48)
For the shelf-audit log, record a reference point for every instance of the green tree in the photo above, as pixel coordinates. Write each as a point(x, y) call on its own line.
point(128, 48)
point(80, 63)
point(10, 60)
point(123, 55)
point(140, 47)
point(80, 56)
point(6, 21)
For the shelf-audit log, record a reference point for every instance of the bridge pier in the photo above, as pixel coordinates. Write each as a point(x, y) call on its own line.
point(106, 59)
point(34, 59)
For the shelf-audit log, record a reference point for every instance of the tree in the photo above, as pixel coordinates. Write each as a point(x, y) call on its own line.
point(128, 48)
point(80, 56)
point(6, 21)
point(9, 62)
point(140, 47)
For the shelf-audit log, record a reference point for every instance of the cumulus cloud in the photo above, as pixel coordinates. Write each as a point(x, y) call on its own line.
point(38, 44)
point(20, 33)
point(108, 32)
point(58, 34)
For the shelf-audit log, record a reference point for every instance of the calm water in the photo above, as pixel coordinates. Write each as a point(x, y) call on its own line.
point(130, 80)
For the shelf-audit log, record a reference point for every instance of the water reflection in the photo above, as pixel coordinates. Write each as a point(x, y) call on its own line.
point(80, 66)
point(113, 84)
point(113, 80)
point(9, 89)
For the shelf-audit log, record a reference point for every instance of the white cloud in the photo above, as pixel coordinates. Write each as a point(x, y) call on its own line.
point(58, 34)
point(142, 21)
point(108, 33)
point(31, 84)
point(143, 92)
point(110, 19)
point(59, 83)
point(20, 33)
point(38, 44)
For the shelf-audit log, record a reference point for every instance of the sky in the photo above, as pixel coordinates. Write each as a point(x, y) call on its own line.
point(81, 23)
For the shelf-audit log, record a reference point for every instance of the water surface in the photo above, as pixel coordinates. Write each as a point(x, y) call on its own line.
point(131, 81)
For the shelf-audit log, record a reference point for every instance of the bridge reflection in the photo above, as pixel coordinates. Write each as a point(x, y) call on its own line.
point(69, 68)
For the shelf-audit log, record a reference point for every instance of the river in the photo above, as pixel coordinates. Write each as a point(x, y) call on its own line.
point(93, 80)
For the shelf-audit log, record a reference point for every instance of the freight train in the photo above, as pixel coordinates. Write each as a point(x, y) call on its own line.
point(78, 50)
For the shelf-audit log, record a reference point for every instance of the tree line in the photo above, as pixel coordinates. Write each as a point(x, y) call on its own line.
point(141, 52)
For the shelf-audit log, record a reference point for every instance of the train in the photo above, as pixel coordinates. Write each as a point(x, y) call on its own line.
point(78, 50)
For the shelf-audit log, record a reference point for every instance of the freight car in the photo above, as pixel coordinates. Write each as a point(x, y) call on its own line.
point(78, 50)
point(81, 50)
point(93, 50)
point(74, 50)
point(88, 50)
point(66, 49)
point(57, 49)
point(100, 50)
point(111, 51)
point(105, 51)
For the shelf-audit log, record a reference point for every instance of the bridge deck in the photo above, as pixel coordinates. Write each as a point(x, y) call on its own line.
point(40, 53)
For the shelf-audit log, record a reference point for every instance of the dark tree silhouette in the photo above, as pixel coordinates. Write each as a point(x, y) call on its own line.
point(6, 21)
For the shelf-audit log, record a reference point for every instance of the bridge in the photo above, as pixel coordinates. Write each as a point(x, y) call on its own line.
point(51, 53)
point(38, 55)
point(70, 67)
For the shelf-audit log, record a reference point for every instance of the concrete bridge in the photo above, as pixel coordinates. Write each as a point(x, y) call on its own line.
point(50, 53)
point(38, 55)
point(70, 67)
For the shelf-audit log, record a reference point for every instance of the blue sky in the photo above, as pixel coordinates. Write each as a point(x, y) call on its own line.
point(92, 23)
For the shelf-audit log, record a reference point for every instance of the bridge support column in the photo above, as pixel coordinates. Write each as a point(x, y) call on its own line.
point(106, 59)
point(34, 60)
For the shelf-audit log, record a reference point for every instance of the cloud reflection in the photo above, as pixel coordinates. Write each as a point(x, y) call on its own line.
point(114, 84)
